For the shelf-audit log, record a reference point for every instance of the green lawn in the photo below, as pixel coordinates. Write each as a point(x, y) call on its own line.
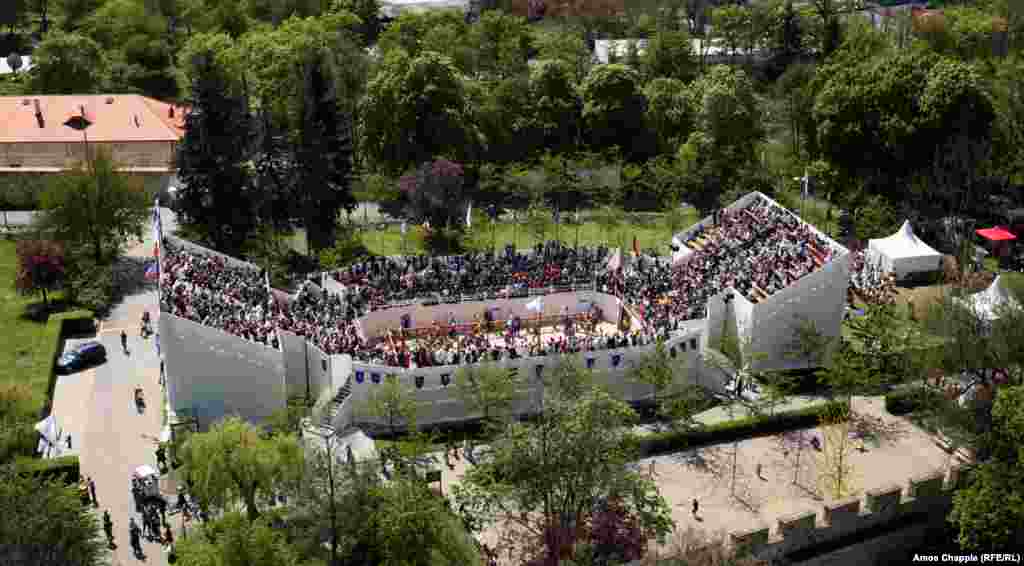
point(651, 230)
point(27, 351)
point(27, 346)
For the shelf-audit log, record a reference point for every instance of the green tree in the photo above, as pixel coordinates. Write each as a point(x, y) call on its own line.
point(408, 32)
point(324, 156)
point(989, 513)
point(729, 124)
point(95, 205)
point(237, 540)
point(51, 525)
point(793, 88)
point(569, 48)
point(133, 36)
point(669, 55)
point(414, 110)
point(212, 159)
point(40, 267)
point(669, 113)
point(613, 110)
point(556, 105)
point(501, 41)
point(731, 25)
point(835, 471)
point(67, 63)
point(368, 12)
point(394, 403)
point(547, 478)
point(487, 389)
point(235, 462)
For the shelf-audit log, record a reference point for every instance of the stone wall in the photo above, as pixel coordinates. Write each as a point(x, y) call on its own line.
point(841, 529)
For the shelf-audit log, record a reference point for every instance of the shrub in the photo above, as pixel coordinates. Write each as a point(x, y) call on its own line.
point(66, 466)
point(18, 411)
point(746, 427)
point(89, 284)
point(903, 401)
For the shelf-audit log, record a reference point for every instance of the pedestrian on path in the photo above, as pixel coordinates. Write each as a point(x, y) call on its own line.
point(134, 533)
point(161, 457)
point(696, 506)
point(168, 537)
point(124, 342)
point(108, 527)
point(92, 493)
point(759, 471)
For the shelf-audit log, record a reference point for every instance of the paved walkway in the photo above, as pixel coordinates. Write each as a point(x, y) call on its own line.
point(97, 406)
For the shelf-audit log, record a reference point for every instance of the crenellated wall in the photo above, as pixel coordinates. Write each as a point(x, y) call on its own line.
point(439, 403)
point(924, 500)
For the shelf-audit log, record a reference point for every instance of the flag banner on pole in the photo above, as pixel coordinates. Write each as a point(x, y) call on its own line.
point(156, 342)
point(156, 251)
point(469, 215)
point(153, 271)
point(158, 230)
point(405, 227)
point(636, 246)
point(806, 181)
point(555, 216)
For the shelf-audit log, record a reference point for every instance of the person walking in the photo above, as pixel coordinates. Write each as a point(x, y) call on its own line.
point(108, 528)
point(696, 506)
point(134, 533)
point(124, 342)
point(147, 532)
point(168, 537)
point(92, 493)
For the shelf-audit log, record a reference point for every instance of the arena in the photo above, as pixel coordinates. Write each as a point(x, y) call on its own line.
point(234, 345)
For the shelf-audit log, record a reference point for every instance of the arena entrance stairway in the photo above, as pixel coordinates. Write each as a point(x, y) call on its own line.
point(335, 406)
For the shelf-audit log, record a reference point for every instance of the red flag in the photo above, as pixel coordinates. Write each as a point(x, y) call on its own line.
point(156, 250)
point(636, 246)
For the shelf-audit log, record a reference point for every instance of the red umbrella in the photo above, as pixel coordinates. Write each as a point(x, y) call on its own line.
point(996, 234)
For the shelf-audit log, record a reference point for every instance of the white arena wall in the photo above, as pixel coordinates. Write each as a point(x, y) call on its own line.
point(439, 404)
point(769, 328)
point(212, 374)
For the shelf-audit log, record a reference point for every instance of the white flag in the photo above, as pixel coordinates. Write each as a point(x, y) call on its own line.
point(806, 184)
point(404, 228)
point(469, 215)
point(536, 305)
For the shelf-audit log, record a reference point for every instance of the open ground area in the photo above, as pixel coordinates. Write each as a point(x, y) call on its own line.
point(894, 451)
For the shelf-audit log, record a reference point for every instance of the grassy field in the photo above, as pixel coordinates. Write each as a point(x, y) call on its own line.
point(651, 230)
point(26, 348)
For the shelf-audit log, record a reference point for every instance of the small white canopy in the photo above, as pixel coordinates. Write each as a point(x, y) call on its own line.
point(50, 445)
point(987, 303)
point(904, 253)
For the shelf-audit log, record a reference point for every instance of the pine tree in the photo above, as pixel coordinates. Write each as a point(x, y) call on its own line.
point(217, 196)
point(323, 155)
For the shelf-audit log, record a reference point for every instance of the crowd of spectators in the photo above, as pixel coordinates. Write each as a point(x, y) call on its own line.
point(377, 282)
point(208, 290)
point(757, 250)
point(445, 349)
point(869, 280)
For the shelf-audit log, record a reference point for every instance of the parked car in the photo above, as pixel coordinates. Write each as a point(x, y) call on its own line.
point(84, 355)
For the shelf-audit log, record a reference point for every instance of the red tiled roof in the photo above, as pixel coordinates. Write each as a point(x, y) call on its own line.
point(127, 118)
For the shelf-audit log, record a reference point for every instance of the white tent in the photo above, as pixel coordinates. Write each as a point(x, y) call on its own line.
point(904, 253)
point(986, 303)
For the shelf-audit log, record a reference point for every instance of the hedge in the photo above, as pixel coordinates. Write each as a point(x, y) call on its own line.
point(746, 427)
point(66, 466)
point(903, 401)
point(60, 326)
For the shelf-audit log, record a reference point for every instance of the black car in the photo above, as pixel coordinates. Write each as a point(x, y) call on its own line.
point(85, 354)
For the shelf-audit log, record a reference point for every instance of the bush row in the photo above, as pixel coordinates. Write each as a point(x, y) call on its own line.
point(903, 401)
point(745, 427)
point(52, 468)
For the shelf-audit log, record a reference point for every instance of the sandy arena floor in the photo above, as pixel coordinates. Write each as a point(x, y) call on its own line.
point(895, 451)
